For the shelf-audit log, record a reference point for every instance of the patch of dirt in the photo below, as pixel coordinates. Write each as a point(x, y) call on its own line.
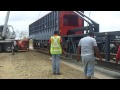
point(33, 65)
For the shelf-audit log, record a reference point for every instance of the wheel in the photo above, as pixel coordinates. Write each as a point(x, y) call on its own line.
point(8, 47)
point(0, 48)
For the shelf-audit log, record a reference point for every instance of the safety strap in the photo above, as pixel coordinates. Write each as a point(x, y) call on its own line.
point(55, 44)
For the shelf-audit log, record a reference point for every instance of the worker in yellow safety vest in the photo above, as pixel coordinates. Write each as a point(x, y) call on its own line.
point(55, 50)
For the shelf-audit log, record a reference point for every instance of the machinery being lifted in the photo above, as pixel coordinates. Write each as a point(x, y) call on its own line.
point(70, 25)
point(7, 38)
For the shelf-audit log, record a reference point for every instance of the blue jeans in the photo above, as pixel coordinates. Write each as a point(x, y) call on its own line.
point(88, 64)
point(56, 63)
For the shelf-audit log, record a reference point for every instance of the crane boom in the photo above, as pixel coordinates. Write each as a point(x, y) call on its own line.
point(5, 24)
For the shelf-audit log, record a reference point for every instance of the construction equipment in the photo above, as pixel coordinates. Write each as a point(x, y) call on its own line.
point(70, 25)
point(7, 37)
point(22, 45)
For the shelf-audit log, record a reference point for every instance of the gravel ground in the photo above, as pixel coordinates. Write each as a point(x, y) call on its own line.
point(33, 65)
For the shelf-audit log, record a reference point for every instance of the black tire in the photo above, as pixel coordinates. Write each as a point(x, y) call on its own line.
point(0, 48)
point(8, 47)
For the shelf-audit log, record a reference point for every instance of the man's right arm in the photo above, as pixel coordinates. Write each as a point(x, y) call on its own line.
point(49, 42)
point(97, 52)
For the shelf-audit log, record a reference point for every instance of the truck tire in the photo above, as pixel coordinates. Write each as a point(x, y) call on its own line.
point(0, 48)
point(8, 47)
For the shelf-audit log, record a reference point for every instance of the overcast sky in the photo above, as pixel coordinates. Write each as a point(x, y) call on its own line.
point(20, 20)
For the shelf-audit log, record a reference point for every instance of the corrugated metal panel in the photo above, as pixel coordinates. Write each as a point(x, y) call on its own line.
point(43, 28)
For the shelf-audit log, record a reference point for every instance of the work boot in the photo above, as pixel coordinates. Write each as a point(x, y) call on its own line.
point(58, 73)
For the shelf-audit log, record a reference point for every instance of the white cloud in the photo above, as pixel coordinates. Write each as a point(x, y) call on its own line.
point(108, 20)
point(21, 20)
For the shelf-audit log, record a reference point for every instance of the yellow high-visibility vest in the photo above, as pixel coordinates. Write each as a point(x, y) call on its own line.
point(55, 47)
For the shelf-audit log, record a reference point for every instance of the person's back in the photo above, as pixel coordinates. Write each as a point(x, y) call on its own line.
point(87, 44)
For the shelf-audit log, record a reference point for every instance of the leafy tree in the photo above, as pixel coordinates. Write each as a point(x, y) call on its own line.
point(21, 34)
